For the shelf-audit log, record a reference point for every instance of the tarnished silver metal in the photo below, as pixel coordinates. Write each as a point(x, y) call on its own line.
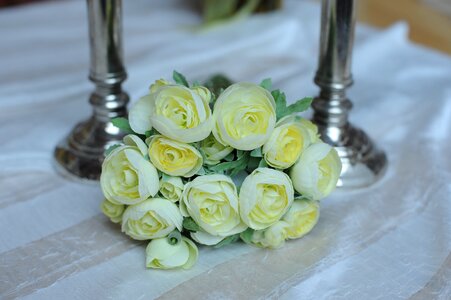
point(362, 162)
point(81, 153)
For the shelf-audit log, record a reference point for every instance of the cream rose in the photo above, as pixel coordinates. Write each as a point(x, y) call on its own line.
point(172, 157)
point(112, 210)
point(127, 177)
point(265, 196)
point(272, 237)
point(203, 92)
point(161, 254)
point(205, 238)
point(213, 150)
point(301, 217)
point(171, 188)
point(245, 116)
point(174, 111)
point(316, 173)
point(312, 130)
point(212, 202)
point(153, 218)
point(286, 143)
point(158, 84)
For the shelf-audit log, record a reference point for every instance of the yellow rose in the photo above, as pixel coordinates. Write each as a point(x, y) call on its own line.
point(158, 84)
point(161, 254)
point(203, 92)
point(312, 129)
point(265, 196)
point(316, 173)
point(301, 217)
point(213, 150)
point(174, 111)
point(245, 116)
point(127, 177)
point(171, 188)
point(272, 237)
point(112, 210)
point(174, 158)
point(150, 219)
point(212, 202)
point(205, 238)
point(286, 143)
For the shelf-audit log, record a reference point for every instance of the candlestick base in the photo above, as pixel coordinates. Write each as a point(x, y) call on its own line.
point(80, 154)
point(362, 162)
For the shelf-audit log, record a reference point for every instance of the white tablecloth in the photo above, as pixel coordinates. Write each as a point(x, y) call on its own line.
point(389, 241)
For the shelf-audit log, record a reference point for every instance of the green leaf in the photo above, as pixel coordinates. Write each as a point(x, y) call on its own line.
point(201, 171)
point(190, 225)
point(263, 164)
point(179, 78)
point(246, 236)
point(225, 166)
point(217, 83)
point(230, 156)
point(227, 240)
point(122, 124)
point(111, 148)
point(299, 106)
point(252, 164)
point(266, 84)
point(174, 237)
point(151, 132)
point(240, 153)
point(195, 83)
point(233, 167)
point(281, 102)
point(257, 152)
point(165, 177)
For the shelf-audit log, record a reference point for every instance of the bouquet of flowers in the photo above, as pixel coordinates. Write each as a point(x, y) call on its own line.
point(214, 169)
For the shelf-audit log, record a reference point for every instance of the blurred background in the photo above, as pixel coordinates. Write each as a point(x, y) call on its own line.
point(429, 20)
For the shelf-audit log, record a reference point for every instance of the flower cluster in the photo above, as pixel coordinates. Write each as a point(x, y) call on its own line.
point(215, 170)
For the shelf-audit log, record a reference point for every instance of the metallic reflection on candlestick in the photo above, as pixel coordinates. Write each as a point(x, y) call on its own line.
point(362, 162)
point(81, 153)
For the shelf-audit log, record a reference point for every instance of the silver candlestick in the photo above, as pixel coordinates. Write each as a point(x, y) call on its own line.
point(362, 162)
point(81, 152)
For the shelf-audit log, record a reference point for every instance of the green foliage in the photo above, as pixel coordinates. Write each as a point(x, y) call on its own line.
point(165, 177)
point(122, 124)
point(283, 110)
point(201, 171)
point(232, 167)
point(190, 225)
point(263, 164)
point(228, 240)
point(299, 106)
point(151, 132)
point(230, 156)
point(266, 84)
point(257, 152)
point(253, 164)
point(217, 83)
point(174, 237)
point(111, 148)
point(246, 236)
point(179, 78)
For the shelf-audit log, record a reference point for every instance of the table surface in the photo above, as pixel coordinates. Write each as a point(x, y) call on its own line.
point(429, 20)
point(389, 241)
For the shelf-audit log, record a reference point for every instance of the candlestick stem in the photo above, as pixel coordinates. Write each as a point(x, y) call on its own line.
point(81, 153)
point(362, 162)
